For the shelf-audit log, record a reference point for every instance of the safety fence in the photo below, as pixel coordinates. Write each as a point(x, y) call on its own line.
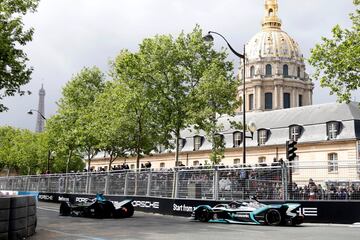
point(311, 181)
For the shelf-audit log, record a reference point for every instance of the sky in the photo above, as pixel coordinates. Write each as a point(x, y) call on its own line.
point(73, 34)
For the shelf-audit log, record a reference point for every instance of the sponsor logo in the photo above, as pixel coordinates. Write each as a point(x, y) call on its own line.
point(63, 199)
point(182, 208)
point(146, 204)
point(239, 215)
point(310, 212)
point(8, 192)
point(46, 197)
point(81, 199)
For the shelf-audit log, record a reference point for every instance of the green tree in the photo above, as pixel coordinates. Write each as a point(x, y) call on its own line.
point(337, 59)
point(13, 70)
point(7, 134)
point(70, 128)
point(23, 151)
point(135, 103)
point(174, 70)
point(111, 123)
point(215, 96)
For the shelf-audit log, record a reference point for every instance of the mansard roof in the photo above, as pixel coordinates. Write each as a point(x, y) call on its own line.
point(313, 120)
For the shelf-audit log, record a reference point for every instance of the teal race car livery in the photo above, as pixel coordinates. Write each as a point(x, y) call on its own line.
point(250, 212)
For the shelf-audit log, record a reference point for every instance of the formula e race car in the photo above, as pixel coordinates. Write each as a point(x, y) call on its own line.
point(98, 207)
point(250, 212)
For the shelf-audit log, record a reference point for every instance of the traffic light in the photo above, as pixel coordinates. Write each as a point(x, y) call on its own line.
point(291, 150)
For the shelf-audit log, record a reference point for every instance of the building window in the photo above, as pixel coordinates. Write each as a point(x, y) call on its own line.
point(300, 100)
point(132, 166)
point(333, 129)
point(252, 71)
point(162, 165)
point(268, 101)
point(286, 100)
point(298, 72)
point(333, 162)
point(236, 161)
point(268, 71)
point(285, 70)
point(195, 163)
point(251, 102)
point(182, 142)
point(262, 160)
point(237, 138)
point(295, 165)
point(197, 143)
point(294, 132)
point(262, 136)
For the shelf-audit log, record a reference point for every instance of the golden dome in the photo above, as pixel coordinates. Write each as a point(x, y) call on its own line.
point(272, 41)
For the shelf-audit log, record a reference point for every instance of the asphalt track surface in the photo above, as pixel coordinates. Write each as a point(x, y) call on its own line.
point(153, 226)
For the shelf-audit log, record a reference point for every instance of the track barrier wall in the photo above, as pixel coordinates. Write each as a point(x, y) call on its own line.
point(344, 212)
point(328, 194)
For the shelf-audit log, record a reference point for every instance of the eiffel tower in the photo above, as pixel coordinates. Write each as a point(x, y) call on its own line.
point(41, 108)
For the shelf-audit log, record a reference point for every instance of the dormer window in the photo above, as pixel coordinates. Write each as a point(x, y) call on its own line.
point(197, 142)
point(237, 139)
point(262, 136)
point(182, 142)
point(295, 132)
point(333, 129)
point(161, 148)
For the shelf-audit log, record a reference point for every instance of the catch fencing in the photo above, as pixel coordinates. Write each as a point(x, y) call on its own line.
point(312, 181)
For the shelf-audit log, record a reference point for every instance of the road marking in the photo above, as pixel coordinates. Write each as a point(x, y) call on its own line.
point(74, 235)
point(49, 209)
point(330, 225)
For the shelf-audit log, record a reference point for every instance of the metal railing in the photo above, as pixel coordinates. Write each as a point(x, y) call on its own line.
point(280, 182)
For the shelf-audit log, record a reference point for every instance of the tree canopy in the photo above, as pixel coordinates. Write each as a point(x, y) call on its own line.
point(13, 70)
point(337, 59)
point(169, 84)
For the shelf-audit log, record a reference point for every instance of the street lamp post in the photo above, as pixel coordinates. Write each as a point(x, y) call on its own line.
point(31, 112)
point(252, 127)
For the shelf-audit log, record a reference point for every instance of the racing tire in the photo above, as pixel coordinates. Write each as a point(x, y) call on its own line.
point(204, 215)
point(129, 211)
point(99, 210)
point(65, 209)
point(273, 217)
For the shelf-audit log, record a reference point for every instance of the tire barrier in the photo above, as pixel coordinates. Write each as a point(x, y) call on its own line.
point(4, 217)
point(17, 217)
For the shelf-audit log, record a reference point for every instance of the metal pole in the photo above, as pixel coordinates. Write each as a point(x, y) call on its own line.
point(244, 111)
point(48, 162)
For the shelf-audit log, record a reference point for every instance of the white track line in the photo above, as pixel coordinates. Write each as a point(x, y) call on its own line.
point(48, 209)
point(73, 235)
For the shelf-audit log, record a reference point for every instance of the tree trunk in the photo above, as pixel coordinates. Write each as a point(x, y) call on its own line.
point(89, 160)
point(177, 136)
point(68, 161)
point(110, 162)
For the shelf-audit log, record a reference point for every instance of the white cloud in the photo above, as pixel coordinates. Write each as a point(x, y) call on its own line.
point(71, 34)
